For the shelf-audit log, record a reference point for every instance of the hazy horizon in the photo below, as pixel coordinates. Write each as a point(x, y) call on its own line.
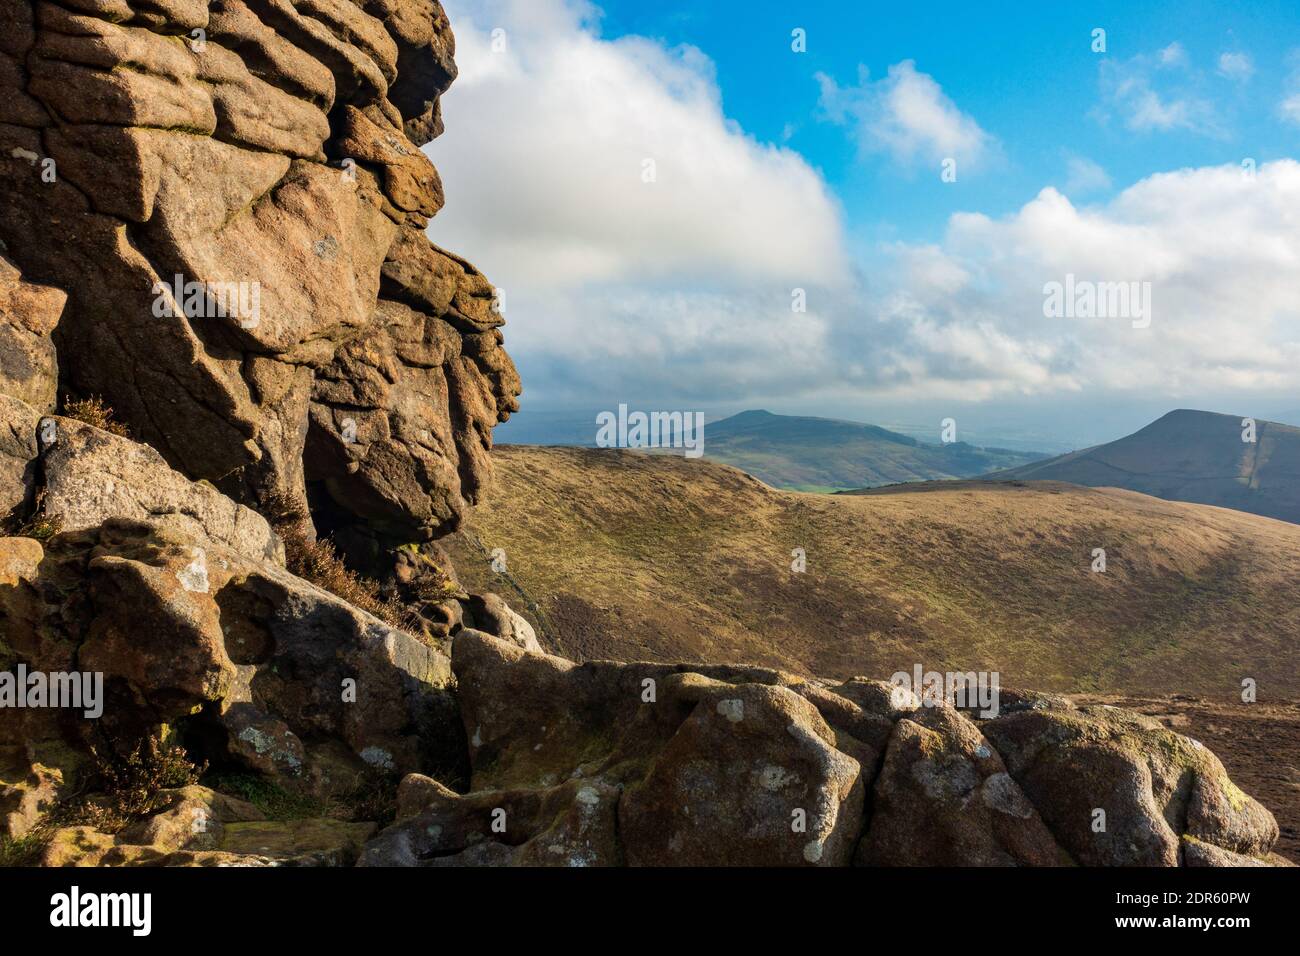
point(577, 426)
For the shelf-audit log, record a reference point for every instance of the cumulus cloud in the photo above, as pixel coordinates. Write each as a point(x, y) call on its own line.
point(1211, 242)
point(576, 160)
point(614, 284)
point(1084, 176)
point(908, 115)
point(681, 290)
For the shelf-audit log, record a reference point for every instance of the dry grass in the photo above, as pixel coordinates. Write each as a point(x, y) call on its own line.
point(656, 557)
point(114, 792)
point(318, 561)
point(94, 412)
point(24, 850)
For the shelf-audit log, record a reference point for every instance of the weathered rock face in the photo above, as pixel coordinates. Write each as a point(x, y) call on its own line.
point(273, 674)
point(1120, 789)
point(28, 315)
point(944, 795)
point(179, 598)
point(90, 476)
point(663, 765)
point(29, 375)
point(266, 153)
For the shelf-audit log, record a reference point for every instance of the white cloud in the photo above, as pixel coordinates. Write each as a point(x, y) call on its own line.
point(1236, 66)
point(1220, 257)
point(962, 320)
point(1289, 108)
point(908, 115)
point(1159, 93)
point(681, 290)
point(1173, 55)
point(549, 141)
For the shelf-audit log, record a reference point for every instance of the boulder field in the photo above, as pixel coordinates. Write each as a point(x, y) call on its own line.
point(232, 364)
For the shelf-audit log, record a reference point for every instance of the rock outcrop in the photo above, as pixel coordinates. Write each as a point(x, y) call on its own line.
point(264, 669)
point(214, 221)
point(232, 198)
point(689, 765)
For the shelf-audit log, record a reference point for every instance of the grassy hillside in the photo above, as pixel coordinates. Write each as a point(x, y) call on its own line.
point(821, 454)
point(1191, 456)
point(629, 555)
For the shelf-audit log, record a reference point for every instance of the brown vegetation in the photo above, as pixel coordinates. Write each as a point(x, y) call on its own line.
point(318, 561)
point(93, 411)
point(634, 556)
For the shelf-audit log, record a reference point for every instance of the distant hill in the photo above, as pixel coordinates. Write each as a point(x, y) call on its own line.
point(626, 555)
point(796, 452)
point(1190, 456)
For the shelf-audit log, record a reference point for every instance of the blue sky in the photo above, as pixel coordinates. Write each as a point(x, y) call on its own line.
point(776, 174)
point(1026, 71)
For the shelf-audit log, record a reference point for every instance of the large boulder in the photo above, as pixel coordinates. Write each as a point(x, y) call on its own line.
point(265, 670)
point(1120, 789)
point(706, 765)
point(752, 777)
point(233, 200)
point(90, 475)
point(944, 798)
point(735, 767)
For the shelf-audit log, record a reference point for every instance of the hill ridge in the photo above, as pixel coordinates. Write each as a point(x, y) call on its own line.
point(1189, 455)
point(803, 452)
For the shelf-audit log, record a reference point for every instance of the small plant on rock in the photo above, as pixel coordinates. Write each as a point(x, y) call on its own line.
point(318, 561)
point(131, 787)
point(93, 411)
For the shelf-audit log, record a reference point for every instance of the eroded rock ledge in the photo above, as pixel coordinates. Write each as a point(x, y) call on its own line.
point(752, 767)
